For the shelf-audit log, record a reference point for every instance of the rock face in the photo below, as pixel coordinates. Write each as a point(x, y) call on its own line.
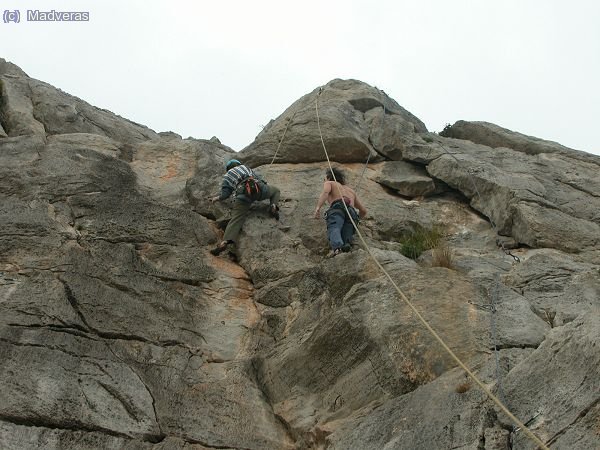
point(350, 115)
point(407, 179)
point(30, 106)
point(118, 329)
point(542, 200)
point(486, 133)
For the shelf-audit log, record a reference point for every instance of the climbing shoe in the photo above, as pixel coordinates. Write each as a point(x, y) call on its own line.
point(274, 211)
point(346, 247)
point(217, 250)
point(226, 245)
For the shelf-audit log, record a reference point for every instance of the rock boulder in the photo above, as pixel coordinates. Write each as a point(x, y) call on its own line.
point(346, 126)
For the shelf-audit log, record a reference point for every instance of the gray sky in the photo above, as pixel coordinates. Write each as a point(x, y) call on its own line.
point(225, 68)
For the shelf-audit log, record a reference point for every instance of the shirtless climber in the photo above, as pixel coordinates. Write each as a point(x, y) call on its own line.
point(339, 227)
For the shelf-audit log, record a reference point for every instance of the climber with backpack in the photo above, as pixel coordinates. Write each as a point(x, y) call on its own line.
point(248, 187)
point(340, 230)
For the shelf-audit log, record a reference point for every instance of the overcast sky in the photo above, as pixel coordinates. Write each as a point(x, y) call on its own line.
point(225, 68)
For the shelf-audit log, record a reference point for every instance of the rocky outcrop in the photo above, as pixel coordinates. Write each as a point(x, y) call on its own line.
point(545, 200)
point(408, 179)
point(347, 110)
point(118, 329)
point(494, 136)
point(29, 106)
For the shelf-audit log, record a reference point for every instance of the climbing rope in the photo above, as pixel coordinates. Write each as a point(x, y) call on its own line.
point(363, 172)
point(290, 121)
point(416, 312)
point(282, 137)
point(369, 157)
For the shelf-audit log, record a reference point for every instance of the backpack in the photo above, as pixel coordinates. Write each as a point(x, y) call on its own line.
point(252, 188)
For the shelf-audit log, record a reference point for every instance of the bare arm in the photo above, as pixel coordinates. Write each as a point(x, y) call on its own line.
point(322, 198)
point(361, 209)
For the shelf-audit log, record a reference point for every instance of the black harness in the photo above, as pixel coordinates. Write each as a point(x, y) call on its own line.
point(338, 207)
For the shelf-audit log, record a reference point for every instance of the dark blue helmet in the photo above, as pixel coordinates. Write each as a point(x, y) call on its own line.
point(232, 163)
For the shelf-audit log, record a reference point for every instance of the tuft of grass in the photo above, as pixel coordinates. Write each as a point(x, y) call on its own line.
point(442, 256)
point(418, 240)
point(549, 317)
point(447, 131)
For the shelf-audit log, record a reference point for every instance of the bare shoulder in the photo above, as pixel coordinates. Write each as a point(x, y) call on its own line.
point(349, 190)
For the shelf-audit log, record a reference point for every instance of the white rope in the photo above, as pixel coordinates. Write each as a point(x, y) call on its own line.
point(369, 157)
point(416, 312)
point(282, 137)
